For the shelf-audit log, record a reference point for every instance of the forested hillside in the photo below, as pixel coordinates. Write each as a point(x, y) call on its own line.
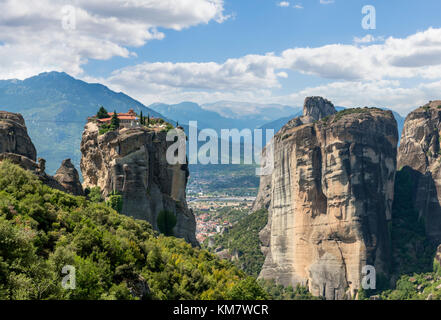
point(116, 257)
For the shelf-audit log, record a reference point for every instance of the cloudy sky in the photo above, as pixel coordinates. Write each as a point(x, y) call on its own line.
point(243, 50)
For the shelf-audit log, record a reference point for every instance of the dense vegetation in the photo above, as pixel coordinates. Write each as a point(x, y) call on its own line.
point(243, 239)
point(279, 292)
point(42, 230)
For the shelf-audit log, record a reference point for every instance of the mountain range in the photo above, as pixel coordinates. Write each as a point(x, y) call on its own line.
point(225, 114)
point(55, 106)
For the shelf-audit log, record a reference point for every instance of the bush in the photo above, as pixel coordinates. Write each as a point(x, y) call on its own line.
point(94, 194)
point(115, 202)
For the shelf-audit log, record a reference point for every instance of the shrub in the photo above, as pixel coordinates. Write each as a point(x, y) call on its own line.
point(115, 201)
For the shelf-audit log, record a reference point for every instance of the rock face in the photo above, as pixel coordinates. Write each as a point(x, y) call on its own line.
point(420, 154)
point(133, 163)
point(438, 255)
point(329, 198)
point(67, 176)
point(316, 108)
point(14, 136)
point(17, 147)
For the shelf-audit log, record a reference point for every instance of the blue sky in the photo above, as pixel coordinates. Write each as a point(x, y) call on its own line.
point(246, 50)
point(260, 26)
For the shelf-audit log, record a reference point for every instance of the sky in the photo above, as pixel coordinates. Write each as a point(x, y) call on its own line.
point(259, 51)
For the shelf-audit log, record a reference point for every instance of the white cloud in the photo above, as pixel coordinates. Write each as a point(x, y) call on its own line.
point(32, 37)
point(248, 72)
point(283, 4)
point(368, 75)
point(384, 93)
point(326, 1)
point(298, 6)
point(32, 40)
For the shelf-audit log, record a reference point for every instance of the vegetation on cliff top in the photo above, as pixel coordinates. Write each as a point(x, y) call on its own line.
point(42, 230)
point(339, 115)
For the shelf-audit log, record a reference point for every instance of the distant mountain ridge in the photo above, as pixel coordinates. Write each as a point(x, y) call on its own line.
point(221, 115)
point(56, 106)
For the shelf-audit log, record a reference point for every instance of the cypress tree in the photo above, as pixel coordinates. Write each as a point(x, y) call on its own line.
point(114, 122)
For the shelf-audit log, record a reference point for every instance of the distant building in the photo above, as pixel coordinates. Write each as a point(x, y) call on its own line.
point(126, 120)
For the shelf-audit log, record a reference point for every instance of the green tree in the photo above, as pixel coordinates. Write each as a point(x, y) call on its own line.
point(102, 113)
point(115, 202)
point(166, 222)
point(247, 289)
point(95, 194)
point(114, 122)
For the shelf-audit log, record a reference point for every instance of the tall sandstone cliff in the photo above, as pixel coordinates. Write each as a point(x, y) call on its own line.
point(133, 163)
point(420, 154)
point(329, 198)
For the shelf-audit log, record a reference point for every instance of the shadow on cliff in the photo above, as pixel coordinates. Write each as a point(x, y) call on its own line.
point(413, 250)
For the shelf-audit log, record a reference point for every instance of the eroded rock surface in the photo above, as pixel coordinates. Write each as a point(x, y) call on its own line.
point(329, 199)
point(420, 154)
point(68, 177)
point(133, 163)
point(14, 136)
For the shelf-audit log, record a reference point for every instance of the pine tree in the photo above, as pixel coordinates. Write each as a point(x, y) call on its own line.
point(141, 121)
point(114, 122)
point(148, 119)
point(102, 113)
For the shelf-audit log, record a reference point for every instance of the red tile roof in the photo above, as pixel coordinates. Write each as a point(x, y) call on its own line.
point(131, 115)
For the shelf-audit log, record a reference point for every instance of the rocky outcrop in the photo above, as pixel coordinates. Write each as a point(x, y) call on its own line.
point(133, 163)
point(68, 177)
point(329, 199)
point(316, 108)
point(420, 154)
point(16, 146)
point(14, 136)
